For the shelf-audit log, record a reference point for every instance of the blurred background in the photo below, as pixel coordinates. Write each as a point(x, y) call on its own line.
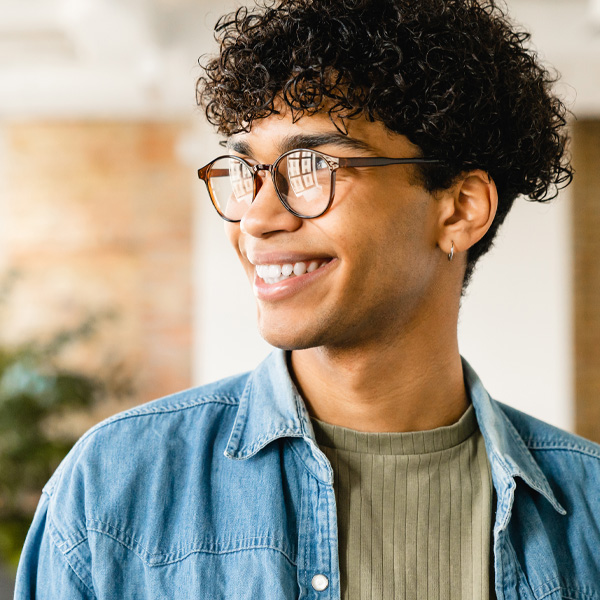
point(116, 282)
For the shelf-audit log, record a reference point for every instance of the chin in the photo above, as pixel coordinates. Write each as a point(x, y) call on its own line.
point(289, 338)
point(287, 341)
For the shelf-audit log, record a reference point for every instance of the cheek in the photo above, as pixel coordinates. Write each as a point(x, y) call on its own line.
point(398, 242)
point(233, 234)
point(232, 231)
point(372, 228)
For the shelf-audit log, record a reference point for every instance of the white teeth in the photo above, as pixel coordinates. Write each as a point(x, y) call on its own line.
point(299, 268)
point(275, 273)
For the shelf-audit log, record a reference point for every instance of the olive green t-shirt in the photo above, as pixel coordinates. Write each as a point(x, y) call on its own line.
point(414, 511)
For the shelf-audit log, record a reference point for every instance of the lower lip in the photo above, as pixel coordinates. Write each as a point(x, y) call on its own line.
point(290, 286)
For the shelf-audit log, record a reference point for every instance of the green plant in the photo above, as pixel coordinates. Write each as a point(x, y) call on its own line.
point(34, 393)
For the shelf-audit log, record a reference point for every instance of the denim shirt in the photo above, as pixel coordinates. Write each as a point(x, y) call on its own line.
point(222, 492)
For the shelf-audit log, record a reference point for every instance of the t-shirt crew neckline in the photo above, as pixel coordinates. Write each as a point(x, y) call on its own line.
point(397, 443)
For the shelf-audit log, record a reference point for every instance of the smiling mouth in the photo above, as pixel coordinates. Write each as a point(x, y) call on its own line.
point(275, 273)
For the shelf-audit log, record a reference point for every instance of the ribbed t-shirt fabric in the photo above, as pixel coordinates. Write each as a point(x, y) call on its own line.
point(414, 511)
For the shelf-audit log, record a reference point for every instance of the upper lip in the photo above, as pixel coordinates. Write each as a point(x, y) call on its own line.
point(282, 258)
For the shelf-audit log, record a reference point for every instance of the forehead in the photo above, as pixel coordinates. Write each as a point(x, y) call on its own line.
point(278, 133)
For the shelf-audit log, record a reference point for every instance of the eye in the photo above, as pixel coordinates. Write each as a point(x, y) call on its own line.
point(321, 163)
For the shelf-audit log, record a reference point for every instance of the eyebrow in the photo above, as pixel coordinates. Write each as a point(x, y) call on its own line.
point(304, 140)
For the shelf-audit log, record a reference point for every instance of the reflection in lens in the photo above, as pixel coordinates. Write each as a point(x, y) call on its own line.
point(232, 187)
point(309, 178)
point(241, 180)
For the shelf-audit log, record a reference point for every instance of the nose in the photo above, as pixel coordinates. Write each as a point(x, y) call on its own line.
point(267, 214)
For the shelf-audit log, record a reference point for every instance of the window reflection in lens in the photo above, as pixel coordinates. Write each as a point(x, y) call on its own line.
point(302, 180)
point(241, 181)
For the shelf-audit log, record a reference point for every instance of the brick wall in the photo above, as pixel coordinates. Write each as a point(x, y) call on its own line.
point(97, 217)
point(586, 240)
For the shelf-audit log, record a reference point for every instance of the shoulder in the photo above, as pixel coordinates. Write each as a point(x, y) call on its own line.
point(226, 392)
point(540, 436)
point(136, 447)
point(570, 462)
point(140, 478)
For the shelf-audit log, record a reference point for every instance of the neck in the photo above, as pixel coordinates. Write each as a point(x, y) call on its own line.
point(392, 387)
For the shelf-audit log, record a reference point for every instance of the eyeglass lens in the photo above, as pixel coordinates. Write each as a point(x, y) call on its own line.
point(302, 180)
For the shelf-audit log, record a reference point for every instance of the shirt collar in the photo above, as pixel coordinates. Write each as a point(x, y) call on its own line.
point(271, 407)
point(508, 455)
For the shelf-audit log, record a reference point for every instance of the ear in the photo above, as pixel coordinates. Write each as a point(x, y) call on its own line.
point(467, 210)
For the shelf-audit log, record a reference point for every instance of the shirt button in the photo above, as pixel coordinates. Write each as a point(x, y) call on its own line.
point(320, 582)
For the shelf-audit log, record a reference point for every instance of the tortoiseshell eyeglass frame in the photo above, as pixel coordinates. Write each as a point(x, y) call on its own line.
point(334, 163)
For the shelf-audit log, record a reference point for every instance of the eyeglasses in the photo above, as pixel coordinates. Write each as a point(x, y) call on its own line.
point(304, 180)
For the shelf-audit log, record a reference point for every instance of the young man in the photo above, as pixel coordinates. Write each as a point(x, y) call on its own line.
point(374, 148)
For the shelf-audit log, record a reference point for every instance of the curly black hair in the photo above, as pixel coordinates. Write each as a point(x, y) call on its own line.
point(456, 77)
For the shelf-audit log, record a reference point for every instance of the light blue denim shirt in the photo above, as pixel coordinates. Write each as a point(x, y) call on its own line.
point(222, 492)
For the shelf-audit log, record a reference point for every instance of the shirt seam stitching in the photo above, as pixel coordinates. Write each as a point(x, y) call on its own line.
point(64, 554)
point(140, 412)
point(541, 446)
point(566, 588)
point(144, 555)
point(174, 408)
point(554, 589)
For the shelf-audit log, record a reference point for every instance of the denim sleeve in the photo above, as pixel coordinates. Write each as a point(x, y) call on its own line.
point(46, 572)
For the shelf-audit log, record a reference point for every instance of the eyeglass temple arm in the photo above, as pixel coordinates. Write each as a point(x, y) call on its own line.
point(381, 161)
point(376, 161)
point(203, 172)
